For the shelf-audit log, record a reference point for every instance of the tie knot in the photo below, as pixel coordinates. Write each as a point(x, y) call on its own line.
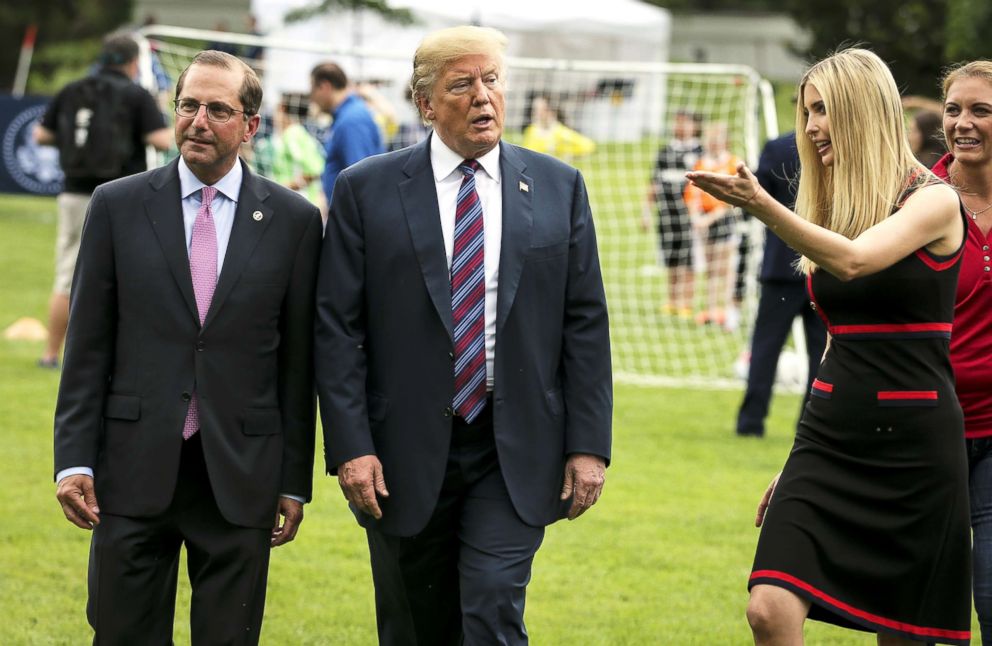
point(468, 167)
point(207, 195)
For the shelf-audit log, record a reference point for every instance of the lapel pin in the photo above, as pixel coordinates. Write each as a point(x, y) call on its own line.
point(524, 187)
point(257, 216)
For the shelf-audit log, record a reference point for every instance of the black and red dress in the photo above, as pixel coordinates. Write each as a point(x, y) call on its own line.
point(869, 520)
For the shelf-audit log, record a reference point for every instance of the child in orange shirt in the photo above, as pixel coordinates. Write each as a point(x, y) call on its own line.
point(715, 220)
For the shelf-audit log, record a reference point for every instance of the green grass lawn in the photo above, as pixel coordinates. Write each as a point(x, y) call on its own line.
point(662, 559)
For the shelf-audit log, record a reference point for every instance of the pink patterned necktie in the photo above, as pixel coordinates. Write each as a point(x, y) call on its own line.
point(203, 268)
point(468, 298)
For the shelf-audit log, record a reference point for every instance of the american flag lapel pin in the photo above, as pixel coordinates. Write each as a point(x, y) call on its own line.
point(524, 187)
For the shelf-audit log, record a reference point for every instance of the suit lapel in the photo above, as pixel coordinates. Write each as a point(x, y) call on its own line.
point(164, 210)
point(245, 234)
point(419, 198)
point(518, 219)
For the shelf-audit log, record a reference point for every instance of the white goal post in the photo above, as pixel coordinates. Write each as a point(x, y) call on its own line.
point(619, 117)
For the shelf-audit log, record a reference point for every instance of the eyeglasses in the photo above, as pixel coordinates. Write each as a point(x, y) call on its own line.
point(219, 112)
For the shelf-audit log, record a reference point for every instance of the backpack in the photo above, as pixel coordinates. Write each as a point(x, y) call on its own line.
point(94, 132)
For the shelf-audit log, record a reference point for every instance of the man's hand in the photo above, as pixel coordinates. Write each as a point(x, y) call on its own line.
point(584, 478)
point(78, 500)
point(361, 479)
point(292, 513)
point(766, 500)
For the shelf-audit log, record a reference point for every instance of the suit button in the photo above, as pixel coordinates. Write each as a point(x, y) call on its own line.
point(451, 355)
point(200, 345)
point(186, 397)
point(448, 412)
point(812, 305)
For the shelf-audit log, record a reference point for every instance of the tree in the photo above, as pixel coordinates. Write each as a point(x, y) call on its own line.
point(969, 21)
point(399, 16)
point(69, 35)
point(909, 35)
point(917, 38)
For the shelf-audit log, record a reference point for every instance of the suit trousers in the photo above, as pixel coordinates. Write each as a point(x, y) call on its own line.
point(463, 579)
point(134, 564)
point(779, 304)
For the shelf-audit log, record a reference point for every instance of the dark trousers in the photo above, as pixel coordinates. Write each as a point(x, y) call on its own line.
point(778, 305)
point(463, 579)
point(134, 564)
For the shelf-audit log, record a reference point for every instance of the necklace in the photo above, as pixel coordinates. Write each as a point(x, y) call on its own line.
point(974, 214)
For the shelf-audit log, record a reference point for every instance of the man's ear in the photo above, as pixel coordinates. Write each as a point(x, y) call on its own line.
point(425, 108)
point(253, 122)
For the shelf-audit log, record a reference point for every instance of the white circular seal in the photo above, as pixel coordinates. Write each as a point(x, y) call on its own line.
point(32, 167)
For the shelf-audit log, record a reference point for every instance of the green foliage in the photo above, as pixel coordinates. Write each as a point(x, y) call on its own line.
point(969, 22)
point(381, 7)
point(68, 33)
point(908, 35)
point(917, 38)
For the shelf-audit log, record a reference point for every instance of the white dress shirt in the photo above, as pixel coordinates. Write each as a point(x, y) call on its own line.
point(447, 181)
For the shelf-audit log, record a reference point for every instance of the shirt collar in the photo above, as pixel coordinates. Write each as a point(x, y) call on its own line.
point(229, 185)
point(445, 161)
point(348, 100)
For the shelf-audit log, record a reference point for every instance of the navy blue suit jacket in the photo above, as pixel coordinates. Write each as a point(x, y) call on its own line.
point(384, 333)
point(778, 173)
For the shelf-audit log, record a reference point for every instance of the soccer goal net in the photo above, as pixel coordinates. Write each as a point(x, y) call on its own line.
point(680, 270)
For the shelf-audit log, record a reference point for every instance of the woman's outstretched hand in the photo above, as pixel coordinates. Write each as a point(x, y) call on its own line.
point(737, 190)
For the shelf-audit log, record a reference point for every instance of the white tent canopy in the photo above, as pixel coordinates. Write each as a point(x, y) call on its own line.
point(618, 30)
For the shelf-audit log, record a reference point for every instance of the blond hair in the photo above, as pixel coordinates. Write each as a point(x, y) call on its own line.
point(441, 47)
point(975, 69)
point(872, 159)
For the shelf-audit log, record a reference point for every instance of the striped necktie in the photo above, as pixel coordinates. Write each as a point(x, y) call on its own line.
point(468, 298)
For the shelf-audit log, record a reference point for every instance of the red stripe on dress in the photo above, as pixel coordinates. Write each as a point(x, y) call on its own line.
point(890, 395)
point(889, 328)
point(939, 265)
point(822, 385)
point(816, 305)
point(851, 610)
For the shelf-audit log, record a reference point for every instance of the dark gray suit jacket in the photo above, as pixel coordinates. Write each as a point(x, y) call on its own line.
point(384, 333)
point(135, 350)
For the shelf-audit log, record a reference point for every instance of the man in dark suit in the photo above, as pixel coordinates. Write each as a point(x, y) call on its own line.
point(783, 295)
point(186, 409)
point(463, 358)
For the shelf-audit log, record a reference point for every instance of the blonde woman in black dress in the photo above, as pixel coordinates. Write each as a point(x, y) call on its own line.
point(868, 527)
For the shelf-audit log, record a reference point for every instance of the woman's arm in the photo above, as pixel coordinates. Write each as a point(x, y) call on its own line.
point(930, 218)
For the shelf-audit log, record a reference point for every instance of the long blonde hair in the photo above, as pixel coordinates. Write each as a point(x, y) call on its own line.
point(872, 158)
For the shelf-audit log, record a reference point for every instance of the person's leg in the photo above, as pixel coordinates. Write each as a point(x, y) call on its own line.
point(771, 329)
point(58, 322)
point(496, 553)
point(980, 489)
point(132, 581)
point(776, 616)
point(228, 565)
point(718, 271)
point(71, 215)
point(416, 577)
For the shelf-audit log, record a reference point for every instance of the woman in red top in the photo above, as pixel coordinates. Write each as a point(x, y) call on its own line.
point(968, 166)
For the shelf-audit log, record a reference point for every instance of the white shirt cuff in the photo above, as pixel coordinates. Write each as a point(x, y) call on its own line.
point(73, 471)
point(298, 499)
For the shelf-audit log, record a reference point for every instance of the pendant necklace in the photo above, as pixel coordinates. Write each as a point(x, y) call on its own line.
point(974, 214)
